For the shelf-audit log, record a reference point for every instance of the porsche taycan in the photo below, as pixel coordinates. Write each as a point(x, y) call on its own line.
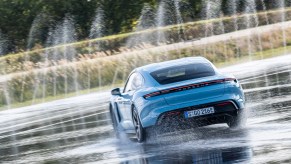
point(183, 93)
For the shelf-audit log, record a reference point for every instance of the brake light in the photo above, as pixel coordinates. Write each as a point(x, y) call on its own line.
point(223, 104)
point(173, 113)
point(188, 87)
point(152, 94)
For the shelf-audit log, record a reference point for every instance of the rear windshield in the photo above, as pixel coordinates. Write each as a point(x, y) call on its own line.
point(183, 72)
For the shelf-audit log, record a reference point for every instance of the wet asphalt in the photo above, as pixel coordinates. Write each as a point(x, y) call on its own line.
point(78, 129)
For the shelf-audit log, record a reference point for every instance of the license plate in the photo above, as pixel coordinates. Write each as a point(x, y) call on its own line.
point(199, 112)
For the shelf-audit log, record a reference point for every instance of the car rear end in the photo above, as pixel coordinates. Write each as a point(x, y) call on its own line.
point(191, 95)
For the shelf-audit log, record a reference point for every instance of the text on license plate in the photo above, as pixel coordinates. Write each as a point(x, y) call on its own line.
point(199, 112)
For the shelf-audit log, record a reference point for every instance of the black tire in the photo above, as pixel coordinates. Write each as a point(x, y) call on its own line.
point(238, 121)
point(114, 122)
point(139, 130)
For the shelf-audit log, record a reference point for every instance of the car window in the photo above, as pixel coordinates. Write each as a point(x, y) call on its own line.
point(135, 81)
point(183, 72)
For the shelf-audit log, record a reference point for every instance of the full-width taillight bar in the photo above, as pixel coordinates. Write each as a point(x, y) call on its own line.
point(188, 87)
point(152, 94)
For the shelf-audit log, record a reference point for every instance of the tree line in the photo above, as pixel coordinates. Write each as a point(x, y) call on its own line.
point(20, 19)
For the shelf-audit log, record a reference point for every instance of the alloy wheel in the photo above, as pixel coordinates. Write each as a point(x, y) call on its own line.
point(138, 127)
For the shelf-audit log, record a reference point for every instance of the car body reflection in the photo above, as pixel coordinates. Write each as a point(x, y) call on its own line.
point(231, 155)
point(204, 145)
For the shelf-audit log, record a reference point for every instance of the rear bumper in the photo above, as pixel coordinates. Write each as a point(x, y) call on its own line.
point(224, 111)
point(174, 115)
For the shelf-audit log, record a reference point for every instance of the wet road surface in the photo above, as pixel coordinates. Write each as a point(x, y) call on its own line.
point(78, 130)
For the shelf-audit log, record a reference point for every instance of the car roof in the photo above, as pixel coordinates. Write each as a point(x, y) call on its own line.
point(158, 66)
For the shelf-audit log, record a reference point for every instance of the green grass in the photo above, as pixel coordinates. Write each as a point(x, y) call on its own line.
point(256, 56)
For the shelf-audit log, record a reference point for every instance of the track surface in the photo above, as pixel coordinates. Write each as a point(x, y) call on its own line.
point(78, 130)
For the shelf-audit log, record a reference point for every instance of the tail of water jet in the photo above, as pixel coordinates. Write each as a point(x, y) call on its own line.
point(146, 21)
point(5, 85)
point(233, 10)
point(97, 30)
point(160, 22)
point(267, 22)
point(179, 20)
point(281, 5)
point(211, 10)
point(251, 21)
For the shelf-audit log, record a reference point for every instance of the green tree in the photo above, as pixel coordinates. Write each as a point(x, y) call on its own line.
point(17, 16)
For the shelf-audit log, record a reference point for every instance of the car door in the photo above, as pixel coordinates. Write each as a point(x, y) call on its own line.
point(134, 82)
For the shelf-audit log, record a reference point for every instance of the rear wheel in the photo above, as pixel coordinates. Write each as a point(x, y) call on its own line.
point(238, 121)
point(139, 130)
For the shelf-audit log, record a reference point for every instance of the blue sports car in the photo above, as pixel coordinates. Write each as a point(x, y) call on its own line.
point(183, 93)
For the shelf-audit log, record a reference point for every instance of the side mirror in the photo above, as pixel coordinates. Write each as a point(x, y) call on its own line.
point(116, 92)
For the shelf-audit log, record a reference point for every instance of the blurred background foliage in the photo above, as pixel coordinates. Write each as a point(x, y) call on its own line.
point(121, 16)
